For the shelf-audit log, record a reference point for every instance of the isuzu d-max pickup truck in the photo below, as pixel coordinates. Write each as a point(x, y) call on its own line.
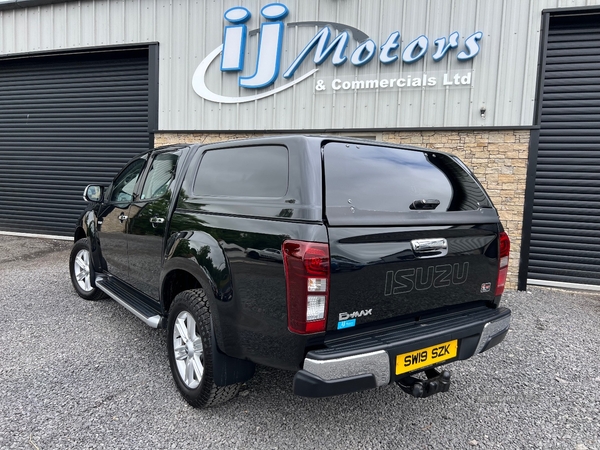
point(355, 264)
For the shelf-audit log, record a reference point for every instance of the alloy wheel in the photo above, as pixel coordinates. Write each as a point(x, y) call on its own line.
point(82, 270)
point(189, 353)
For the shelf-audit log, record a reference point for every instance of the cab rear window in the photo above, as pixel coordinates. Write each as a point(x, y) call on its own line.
point(363, 179)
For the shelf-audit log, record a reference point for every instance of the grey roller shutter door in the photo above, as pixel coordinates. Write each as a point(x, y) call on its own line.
point(65, 122)
point(565, 233)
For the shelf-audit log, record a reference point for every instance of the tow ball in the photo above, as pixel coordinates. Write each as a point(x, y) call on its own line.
point(436, 382)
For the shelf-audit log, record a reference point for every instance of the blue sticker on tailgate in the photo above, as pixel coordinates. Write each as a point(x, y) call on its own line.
point(346, 324)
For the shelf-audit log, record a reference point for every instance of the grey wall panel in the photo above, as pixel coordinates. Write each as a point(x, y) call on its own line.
point(490, 20)
point(441, 16)
point(504, 73)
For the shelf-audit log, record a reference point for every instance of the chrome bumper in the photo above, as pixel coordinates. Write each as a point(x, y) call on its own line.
point(376, 364)
point(491, 330)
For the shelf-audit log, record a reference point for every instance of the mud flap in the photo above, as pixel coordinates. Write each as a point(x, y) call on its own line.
point(228, 370)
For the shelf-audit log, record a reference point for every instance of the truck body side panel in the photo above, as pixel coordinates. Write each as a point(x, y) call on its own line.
point(248, 281)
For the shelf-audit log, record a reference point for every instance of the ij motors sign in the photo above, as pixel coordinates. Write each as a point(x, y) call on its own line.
point(347, 47)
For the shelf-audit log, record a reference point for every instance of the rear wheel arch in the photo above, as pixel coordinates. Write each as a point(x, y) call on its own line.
point(180, 274)
point(176, 281)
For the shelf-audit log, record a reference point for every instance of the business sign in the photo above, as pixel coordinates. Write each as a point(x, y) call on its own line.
point(325, 47)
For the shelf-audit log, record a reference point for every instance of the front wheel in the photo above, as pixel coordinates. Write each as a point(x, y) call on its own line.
point(82, 271)
point(190, 351)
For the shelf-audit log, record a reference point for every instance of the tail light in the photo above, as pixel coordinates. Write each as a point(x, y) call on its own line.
point(307, 282)
point(503, 262)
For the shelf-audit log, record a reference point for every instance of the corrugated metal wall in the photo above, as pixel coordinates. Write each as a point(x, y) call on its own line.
point(504, 73)
point(65, 122)
point(565, 232)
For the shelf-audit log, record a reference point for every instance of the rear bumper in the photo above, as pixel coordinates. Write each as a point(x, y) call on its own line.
point(366, 361)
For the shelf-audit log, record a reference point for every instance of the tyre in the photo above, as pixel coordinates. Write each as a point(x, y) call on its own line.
point(82, 272)
point(190, 351)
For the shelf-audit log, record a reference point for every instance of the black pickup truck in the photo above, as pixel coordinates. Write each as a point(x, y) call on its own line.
point(353, 263)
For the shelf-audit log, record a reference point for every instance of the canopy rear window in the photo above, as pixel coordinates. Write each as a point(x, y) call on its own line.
point(363, 180)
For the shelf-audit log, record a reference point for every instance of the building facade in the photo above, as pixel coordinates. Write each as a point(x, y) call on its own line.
point(512, 87)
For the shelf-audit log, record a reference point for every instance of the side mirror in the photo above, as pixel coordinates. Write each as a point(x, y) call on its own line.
point(93, 193)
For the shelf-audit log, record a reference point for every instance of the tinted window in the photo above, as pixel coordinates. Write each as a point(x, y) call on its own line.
point(124, 184)
point(160, 176)
point(243, 172)
point(370, 178)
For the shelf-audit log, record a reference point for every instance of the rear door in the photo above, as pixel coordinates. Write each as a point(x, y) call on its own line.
point(148, 219)
point(411, 233)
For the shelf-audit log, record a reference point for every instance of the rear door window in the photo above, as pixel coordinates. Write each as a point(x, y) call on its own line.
point(160, 176)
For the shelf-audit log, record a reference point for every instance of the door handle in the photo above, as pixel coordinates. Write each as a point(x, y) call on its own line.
point(155, 220)
point(122, 217)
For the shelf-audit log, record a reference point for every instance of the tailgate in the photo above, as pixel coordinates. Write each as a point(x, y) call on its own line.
point(410, 231)
point(379, 274)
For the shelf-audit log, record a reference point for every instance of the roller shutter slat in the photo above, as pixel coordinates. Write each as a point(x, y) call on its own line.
point(552, 191)
point(550, 240)
point(568, 138)
point(65, 122)
point(562, 261)
point(550, 196)
point(565, 248)
point(566, 55)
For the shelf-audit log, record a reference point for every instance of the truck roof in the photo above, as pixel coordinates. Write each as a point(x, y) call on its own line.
point(296, 138)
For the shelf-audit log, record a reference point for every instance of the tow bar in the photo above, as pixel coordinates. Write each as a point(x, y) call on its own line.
point(436, 382)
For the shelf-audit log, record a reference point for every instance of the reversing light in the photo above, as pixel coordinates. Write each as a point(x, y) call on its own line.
point(307, 283)
point(315, 308)
point(504, 251)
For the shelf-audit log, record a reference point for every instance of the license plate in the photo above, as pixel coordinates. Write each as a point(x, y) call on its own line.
point(411, 361)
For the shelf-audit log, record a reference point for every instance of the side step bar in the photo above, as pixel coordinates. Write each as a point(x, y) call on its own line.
point(133, 303)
